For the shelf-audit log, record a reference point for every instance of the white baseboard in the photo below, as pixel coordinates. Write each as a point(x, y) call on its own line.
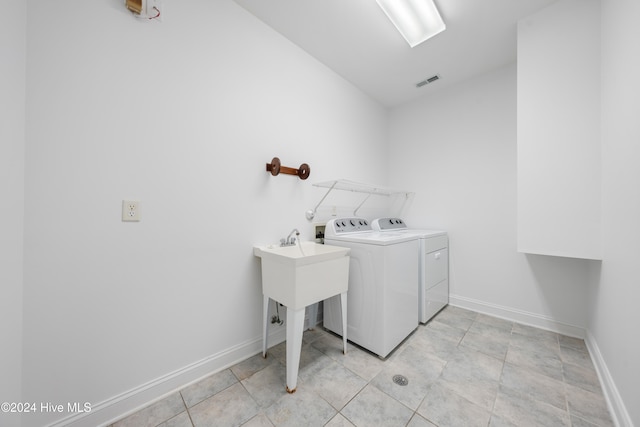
point(617, 408)
point(120, 406)
point(520, 316)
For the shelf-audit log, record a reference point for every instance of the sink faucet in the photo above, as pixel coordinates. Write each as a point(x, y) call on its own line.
point(290, 240)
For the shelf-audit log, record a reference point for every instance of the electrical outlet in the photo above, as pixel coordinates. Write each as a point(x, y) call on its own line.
point(130, 210)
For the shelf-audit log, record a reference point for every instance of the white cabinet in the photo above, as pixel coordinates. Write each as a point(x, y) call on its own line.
point(558, 115)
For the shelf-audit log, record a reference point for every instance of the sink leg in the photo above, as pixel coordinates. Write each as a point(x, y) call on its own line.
point(295, 326)
point(313, 315)
point(343, 306)
point(265, 324)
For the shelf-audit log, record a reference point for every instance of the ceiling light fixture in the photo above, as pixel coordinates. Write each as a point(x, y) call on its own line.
point(417, 20)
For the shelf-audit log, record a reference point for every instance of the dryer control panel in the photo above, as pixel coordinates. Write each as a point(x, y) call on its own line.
point(383, 224)
point(338, 226)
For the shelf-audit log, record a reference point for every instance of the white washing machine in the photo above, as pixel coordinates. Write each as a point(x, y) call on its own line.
point(382, 304)
point(433, 284)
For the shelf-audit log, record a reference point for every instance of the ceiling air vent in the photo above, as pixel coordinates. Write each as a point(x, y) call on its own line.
point(427, 81)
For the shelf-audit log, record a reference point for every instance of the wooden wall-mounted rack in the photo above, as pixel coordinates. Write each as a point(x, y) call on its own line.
point(276, 168)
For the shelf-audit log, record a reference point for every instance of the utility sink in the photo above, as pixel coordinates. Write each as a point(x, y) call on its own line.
point(298, 276)
point(303, 274)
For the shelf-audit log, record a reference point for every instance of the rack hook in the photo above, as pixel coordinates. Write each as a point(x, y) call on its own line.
point(276, 168)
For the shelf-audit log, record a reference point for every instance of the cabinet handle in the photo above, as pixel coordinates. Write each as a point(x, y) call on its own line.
point(438, 255)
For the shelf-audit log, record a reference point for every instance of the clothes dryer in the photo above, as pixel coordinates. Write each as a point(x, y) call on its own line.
point(382, 306)
point(433, 284)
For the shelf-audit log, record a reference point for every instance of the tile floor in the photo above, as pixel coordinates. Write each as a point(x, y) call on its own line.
point(463, 369)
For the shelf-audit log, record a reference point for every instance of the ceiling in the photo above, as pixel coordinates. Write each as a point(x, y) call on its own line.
point(356, 40)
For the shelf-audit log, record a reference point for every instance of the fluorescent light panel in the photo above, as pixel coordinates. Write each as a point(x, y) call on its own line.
point(417, 20)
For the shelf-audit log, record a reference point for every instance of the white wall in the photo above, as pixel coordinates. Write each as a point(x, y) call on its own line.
point(615, 317)
point(12, 139)
point(182, 115)
point(457, 150)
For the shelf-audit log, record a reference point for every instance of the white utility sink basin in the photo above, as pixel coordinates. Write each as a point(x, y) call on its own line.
point(296, 277)
point(302, 253)
point(301, 275)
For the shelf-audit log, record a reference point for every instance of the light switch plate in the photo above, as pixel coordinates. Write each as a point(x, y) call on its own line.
point(131, 210)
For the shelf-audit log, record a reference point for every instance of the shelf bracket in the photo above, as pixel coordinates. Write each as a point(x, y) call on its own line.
point(310, 214)
point(355, 211)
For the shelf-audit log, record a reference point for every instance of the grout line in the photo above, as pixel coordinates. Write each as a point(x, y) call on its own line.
point(186, 408)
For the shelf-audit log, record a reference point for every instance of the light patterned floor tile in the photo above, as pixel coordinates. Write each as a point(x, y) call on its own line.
point(336, 384)
point(421, 369)
point(260, 420)
point(542, 361)
point(537, 333)
point(302, 408)
point(418, 421)
point(571, 342)
point(459, 311)
point(453, 319)
point(372, 407)
point(542, 345)
point(180, 420)
point(268, 385)
point(584, 378)
point(491, 345)
point(252, 365)
point(445, 408)
point(497, 421)
point(439, 329)
point(231, 407)
point(588, 406)
point(435, 343)
point(339, 421)
point(522, 411)
point(576, 357)
point(362, 363)
point(579, 422)
point(531, 384)
point(156, 413)
point(207, 387)
point(473, 375)
point(496, 322)
point(312, 361)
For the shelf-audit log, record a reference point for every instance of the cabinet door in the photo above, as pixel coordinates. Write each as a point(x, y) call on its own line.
point(559, 152)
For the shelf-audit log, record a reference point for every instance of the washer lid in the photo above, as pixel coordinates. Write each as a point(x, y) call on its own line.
point(373, 238)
